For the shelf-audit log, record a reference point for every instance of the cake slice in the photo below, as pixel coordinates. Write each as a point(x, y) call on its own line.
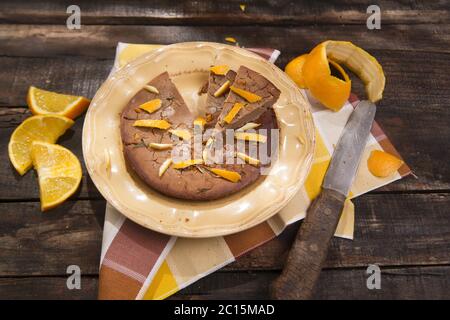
point(250, 96)
point(217, 91)
point(159, 100)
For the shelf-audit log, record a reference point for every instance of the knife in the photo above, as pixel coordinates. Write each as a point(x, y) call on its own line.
point(309, 250)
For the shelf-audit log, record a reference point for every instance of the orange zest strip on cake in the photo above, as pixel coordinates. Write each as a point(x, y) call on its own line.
point(233, 112)
point(226, 174)
point(159, 124)
point(220, 70)
point(247, 95)
point(187, 163)
point(151, 106)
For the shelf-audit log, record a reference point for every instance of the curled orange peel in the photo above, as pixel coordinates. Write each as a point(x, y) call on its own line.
point(313, 71)
point(294, 70)
point(331, 91)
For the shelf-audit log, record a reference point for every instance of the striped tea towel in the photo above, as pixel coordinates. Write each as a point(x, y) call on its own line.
point(137, 263)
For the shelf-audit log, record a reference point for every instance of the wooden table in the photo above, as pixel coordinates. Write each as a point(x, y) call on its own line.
point(403, 227)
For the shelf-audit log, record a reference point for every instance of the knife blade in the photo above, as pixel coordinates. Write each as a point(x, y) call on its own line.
point(310, 247)
point(348, 151)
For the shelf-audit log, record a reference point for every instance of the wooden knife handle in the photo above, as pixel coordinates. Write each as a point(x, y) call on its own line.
point(310, 248)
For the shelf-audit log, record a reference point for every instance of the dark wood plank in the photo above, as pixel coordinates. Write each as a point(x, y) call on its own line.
point(391, 230)
point(224, 12)
point(35, 243)
point(396, 283)
point(46, 288)
point(100, 41)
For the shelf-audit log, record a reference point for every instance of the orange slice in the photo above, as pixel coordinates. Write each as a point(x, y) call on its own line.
point(59, 173)
point(46, 102)
point(226, 174)
point(233, 112)
point(151, 106)
point(382, 164)
point(159, 124)
point(47, 128)
point(247, 95)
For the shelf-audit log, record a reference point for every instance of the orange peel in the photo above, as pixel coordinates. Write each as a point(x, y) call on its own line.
point(294, 70)
point(332, 91)
point(382, 164)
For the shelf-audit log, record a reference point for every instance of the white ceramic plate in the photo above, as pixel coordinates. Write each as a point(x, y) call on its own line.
point(188, 65)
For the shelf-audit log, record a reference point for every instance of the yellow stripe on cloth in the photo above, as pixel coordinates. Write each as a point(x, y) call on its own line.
point(163, 284)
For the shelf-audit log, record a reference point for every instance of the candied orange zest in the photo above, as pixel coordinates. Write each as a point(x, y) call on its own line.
point(247, 95)
point(151, 106)
point(159, 124)
point(226, 174)
point(220, 70)
point(187, 163)
point(230, 39)
point(382, 164)
point(233, 112)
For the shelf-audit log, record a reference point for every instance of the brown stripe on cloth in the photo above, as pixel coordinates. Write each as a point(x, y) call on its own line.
point(130, 258)
point(242, 242)
point(263, 52)
point(114, 285)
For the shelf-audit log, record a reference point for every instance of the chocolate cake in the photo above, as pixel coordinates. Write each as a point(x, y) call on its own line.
point(195, 182)
point(253, 83)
